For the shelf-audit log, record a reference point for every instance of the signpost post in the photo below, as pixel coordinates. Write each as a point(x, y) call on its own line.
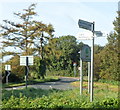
point(81, 75)
point(89, 26)
point(7, 69)
point(26, 61)
point(92, 65)
point(89, 77)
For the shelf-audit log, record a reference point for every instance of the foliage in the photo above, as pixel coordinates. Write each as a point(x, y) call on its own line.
point(107, 60)
point(59, 99)
point(17, 73)
point(62, 52)
point(23, 36)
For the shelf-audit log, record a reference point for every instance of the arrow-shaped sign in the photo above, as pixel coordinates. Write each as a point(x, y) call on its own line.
point(85, 25)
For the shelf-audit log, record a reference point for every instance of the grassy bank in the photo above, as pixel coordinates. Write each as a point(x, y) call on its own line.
point(105, 96)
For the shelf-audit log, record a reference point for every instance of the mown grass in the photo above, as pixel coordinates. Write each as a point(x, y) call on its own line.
point(31, 82)
point(105, 96)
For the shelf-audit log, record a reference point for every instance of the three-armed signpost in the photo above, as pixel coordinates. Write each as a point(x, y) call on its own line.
point(91, 27)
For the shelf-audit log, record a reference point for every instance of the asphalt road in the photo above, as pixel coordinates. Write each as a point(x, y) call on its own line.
point(62, 84)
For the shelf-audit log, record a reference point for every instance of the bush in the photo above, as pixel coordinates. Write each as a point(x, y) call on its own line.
point(12, 78)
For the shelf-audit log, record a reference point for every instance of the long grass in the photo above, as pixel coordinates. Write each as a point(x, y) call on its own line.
point(104, 97)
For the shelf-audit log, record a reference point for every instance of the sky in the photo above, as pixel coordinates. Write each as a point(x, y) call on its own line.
point(64, 15)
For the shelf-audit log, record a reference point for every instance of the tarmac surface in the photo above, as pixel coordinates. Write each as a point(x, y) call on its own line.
point(62, 84)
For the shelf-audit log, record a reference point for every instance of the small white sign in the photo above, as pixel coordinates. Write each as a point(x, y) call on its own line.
point(23, 60)
point(84, 35)
point(7, 67)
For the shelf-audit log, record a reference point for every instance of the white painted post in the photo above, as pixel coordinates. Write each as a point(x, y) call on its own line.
point(81, 76)
point(92, 66)
point(88, 77)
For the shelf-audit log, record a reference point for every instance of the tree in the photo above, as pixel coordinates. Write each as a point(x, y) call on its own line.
point(62, 52)
point(24, 33)
point(109, 57)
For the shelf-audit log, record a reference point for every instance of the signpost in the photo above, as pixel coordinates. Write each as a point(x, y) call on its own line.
point(89, 26)
point(23, 61)
point(98, 33)
point(85, 24)
point(26, 61)
point(84, 36)
point(86, 53)
point(7, 69)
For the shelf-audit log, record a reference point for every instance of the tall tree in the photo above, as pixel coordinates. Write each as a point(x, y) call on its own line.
point(109, 68)
point(62, 52)
point(25, 33)
point(22, 34)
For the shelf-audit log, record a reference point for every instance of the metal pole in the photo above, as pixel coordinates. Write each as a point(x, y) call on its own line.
point(7, 76)
point(88, 77)
point(92, 66)
point(81, 77)
point(26, 72)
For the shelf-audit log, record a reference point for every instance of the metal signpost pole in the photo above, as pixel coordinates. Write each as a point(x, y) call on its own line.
point(26, 72)
point(88, 77)
point(7, 70)
point(92, 65)
point(81, 76)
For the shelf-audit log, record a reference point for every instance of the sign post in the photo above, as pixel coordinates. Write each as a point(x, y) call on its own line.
point(85, 24)
point(89, 26)
point(88, 77)
point(81, 75)
point(92, 65)
point(7, 70)
point(26, 61)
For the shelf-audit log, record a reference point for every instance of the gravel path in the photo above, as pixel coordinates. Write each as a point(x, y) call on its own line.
point(62, 84)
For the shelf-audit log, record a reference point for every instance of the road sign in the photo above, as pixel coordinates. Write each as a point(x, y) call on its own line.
point(85, 24)
point(98, 33)
point(23, 60)
point(7, 67)
point(86, 53)
point(84, 35)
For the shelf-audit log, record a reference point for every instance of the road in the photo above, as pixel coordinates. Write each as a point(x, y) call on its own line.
point(62, 84)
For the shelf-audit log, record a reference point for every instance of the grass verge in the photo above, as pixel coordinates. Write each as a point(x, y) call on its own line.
point(105, 96)
point(31, 82)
